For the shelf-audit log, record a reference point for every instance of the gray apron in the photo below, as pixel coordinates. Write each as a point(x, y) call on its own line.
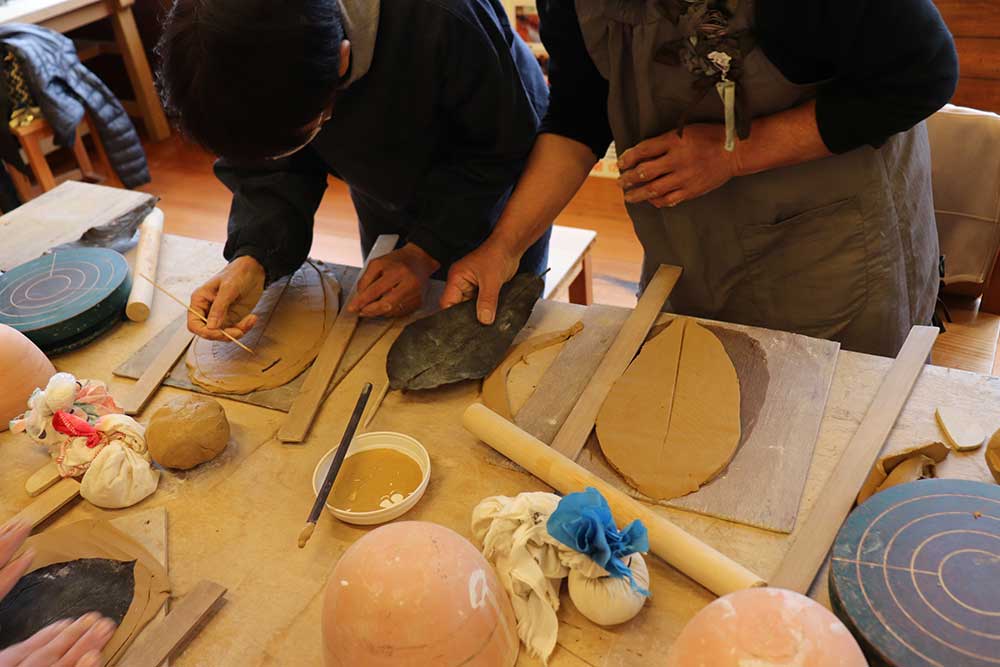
point(843, 248)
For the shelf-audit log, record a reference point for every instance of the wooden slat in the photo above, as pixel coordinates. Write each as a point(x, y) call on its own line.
point(49, 502)
point(300, 418)
point(811, 543)
point(971, 18)
point(43, 479)
point(164, 639)
point(139, 394)
point(573, 435)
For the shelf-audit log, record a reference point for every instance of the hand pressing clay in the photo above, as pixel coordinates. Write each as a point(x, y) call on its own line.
point(416, 593)
point(25, 368)
point(610, 600)
point(187, 431)
point(765, 627)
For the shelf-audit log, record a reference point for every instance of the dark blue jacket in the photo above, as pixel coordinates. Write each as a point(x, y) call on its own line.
point(431, 141)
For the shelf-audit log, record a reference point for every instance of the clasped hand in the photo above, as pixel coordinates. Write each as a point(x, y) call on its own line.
point(670, 169)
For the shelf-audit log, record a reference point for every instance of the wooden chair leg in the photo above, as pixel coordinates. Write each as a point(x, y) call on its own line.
point(581, 290)
point(31, 142)
point(21, 183)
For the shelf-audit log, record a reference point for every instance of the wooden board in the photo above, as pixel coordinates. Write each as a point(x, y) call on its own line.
point(572, 436)
point(914, 575)
point(314, 388)
point(136, 397)
point(42, 479)
point(166, 637)
point(565, 379)
point(72, 211)
point(66, 299)
point(810, 545)
point(49, 502)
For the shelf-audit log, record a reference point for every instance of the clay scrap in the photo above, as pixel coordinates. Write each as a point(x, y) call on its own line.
point(672, 421)
point(452, 345)
point(294, 316)
point(960, 429)
point(906, 466)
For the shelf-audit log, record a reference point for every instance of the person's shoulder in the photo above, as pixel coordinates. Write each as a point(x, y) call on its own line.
point(471, 12)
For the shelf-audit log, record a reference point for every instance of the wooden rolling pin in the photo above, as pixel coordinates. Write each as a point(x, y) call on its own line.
point(146, 257)
point(710, 568)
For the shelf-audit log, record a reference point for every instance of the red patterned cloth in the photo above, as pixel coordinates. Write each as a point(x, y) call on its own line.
point(75, 427)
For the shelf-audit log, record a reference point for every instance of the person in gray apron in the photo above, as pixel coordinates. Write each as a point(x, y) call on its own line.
point(803, 206)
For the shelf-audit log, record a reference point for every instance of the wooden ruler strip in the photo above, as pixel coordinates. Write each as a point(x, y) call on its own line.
point(49, 502)
point(564, 381)
point(574, 432)
point(136, 397)
point(811, 543)
point(43, 479)
point(164, 639)
point(300, 418)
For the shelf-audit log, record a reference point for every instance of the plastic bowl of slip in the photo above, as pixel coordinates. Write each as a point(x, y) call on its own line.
point(384, 475)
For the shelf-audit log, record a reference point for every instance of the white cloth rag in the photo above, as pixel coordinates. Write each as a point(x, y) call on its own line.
point(531, 563)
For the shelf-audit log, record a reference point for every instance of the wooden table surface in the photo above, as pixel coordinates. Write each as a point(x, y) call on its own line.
point(235, 520)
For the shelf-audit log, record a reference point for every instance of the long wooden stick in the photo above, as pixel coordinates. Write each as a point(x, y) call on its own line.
point(574, 432)
point(134, 399)
point(812, 541)
point(193, 311)
point(710, 568)
point(300, 418)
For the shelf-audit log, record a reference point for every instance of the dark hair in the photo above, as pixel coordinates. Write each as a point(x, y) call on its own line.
point(244, 77)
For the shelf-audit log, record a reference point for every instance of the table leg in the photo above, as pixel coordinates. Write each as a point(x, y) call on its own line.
point(32, 144)
point(21, 183)
point(991, 292)
point(134, 55)
point(581, 290)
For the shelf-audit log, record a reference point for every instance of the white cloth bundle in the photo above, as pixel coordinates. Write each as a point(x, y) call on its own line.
point(121, 474)
point(531, 563)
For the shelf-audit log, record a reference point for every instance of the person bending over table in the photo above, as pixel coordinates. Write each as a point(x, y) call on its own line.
point(427, 109)
point(66, 643)
point(773, 149)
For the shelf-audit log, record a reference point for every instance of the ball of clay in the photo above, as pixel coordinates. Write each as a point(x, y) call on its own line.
point(766, 627)
point(25, 368)
point(610, 600)
point(187, 431)
point(416, 593)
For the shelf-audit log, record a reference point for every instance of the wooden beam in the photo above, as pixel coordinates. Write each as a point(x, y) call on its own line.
point(300, 418)
point(574, 432)
point(812, 541)
point(136, 397)
point(165, 638)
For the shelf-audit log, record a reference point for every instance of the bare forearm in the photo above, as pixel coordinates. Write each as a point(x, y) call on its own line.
point(781, 140)
point(556, 169)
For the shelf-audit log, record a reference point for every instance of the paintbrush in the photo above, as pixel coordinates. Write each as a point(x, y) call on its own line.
point(193, 311)
point(338, 461)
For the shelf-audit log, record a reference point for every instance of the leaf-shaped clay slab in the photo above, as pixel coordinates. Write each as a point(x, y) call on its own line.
point(672, 421)
point(452, 345)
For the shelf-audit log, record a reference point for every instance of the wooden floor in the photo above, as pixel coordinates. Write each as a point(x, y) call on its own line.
point(196, 204)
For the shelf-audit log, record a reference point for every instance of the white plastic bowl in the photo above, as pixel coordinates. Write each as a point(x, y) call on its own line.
point(378, 440)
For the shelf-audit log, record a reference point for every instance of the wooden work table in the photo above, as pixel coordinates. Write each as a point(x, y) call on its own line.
point(235, 520)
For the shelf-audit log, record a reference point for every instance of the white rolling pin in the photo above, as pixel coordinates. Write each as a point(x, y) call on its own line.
point(140, 300)
point(710, 568)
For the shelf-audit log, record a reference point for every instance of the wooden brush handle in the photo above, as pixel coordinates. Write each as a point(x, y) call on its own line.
point(710, 568)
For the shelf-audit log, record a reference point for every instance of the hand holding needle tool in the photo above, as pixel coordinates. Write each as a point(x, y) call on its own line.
point(338, 461)
point(193, 311)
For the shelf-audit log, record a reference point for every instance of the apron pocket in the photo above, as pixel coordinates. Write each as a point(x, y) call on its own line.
point(808, 273)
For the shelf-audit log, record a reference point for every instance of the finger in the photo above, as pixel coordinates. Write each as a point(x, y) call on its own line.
point(49, 654)
point(228, 293)
point(92, 659)
point(486, 301)
point(670, 200)
point(646, 171)
point(458, 289)
point(247, 323)
point(397, 301)
point(12, 536)
point(201, 302)
point(375, 269)
point(386, 282)
point(658, 188)
point(93, 640)
point(15, 654)
point(644, 150)
point(13, 571)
